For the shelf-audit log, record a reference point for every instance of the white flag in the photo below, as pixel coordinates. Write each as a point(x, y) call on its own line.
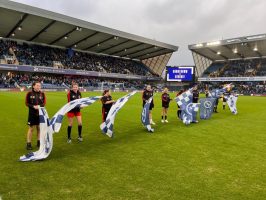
point(108, 125)
point(48, 127)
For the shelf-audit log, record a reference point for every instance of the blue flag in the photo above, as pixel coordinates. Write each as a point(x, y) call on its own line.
point(145, 115)
point(48, 127)
point(217, 93)
point(187, 115)
point(231, 102)
point(188, 109)
point(46, 139)
point(206, 107)
point(184, 99)
point(108, 125)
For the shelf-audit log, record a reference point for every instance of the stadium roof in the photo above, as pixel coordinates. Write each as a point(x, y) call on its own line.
point(23, 22)
point(229, 49)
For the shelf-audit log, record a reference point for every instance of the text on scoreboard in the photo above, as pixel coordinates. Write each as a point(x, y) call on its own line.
point(180, 73)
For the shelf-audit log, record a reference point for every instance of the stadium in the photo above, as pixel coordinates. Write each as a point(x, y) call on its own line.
point(181, 131)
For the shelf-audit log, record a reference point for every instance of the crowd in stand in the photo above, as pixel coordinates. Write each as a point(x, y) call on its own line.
point(38, 55)
point(251, 88)
point(238, 68)
point(245, 88)
point(11, 79)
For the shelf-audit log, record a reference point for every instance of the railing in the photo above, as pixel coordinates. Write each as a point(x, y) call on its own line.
point(52, 70)
point(228, 79)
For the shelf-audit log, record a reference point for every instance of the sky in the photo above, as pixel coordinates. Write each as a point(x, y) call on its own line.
point(176, 22)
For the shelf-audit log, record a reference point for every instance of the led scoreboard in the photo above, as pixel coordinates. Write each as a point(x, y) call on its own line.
point(181, 74)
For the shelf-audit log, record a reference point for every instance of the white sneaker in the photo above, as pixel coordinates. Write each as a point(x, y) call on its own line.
point(152, 122)
point(69, 141)
point(166, 121)
point(80, 139)
point(162, 121)
point(151, 130)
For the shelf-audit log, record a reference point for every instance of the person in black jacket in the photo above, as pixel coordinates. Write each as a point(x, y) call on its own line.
point(74, 94)
point(179, 111)
point(146, 95)
point(165, 104)
point(107, 103)
point(225, 96)
point(195, 99)
point(34, 99)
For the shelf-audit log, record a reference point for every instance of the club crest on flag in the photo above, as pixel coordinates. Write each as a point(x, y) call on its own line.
point(206, 107)
point(188, 109)
point(187, 114)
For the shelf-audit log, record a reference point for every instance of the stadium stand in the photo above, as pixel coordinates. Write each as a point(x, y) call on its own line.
point(37, 55)
point(8, 80)
point(56, 49)
point(235, 57)
point(237, 68)
point(243, 88)
point(240, 61)
point(40, 38)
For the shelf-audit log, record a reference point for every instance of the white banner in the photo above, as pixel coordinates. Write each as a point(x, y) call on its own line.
point(255, 78)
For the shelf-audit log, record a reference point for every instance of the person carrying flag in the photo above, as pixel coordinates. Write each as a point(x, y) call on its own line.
point(207, 93)
point(107, 103)
point(146, 94)
point(165, 104)
point(195, 99)
point(224, 101)
point(72, 95)
point(179, 109)
point(226, 94)
point(34, 99)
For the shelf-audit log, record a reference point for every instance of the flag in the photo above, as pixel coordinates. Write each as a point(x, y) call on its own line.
point(48, 127)
point(184, 99)
point(57, 119)
point(231, 102)
point(19, 87)
point(46, 139)
point(66, 86)
point(188, 109)
point(217, 93)
point(107, 126)
point(187, 114)
point(145, 115)
point(206, 107)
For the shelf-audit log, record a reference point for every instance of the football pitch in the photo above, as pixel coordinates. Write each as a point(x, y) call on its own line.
point(220, 158)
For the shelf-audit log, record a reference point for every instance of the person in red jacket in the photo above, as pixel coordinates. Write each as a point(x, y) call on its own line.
point(165, 104)
point(74, 94)
point(34, 99)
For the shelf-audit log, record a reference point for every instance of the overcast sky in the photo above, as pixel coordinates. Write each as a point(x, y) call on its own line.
point(177, 22)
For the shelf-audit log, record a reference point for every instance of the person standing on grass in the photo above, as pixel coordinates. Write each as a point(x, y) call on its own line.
point(165, 104)
point(179, 111)
point(226, 94)
point(216, 105)
point(195, 99)
point(224, 101)
point(34, 99)
point(107, 103)
point(147, 93)
point(72, 95)
point(207, 93)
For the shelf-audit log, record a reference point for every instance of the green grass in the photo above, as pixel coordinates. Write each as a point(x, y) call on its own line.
point(221, 158)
